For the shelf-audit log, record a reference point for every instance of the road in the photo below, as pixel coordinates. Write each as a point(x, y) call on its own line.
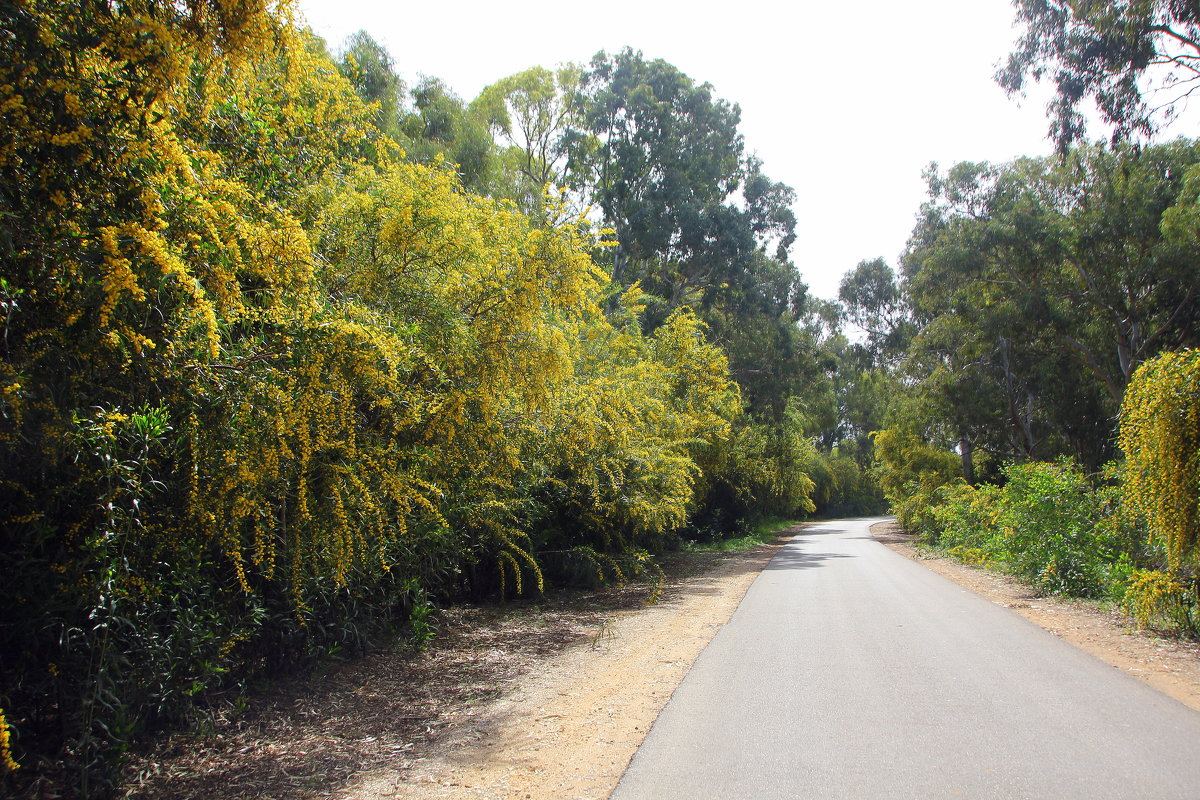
point(849, 671)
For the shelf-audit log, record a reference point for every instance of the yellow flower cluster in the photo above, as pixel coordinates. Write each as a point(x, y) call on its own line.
point(1160, 436)
point(1155, 597)
point(6, 759)
point(362, 364)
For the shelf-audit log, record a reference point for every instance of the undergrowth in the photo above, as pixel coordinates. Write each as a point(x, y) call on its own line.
point(763, 532)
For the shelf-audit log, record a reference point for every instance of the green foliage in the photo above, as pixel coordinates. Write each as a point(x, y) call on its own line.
point(663, 160)
point(369, 68)
point(1038, 288)
point(651, 132)
point(874, 302)
point(1048, 524)
point(441, 124)
point(1117, 54)
point(1051, 519)
point(1024, 272)
point(532, 112)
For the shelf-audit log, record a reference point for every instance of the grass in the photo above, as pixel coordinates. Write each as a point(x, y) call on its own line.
point(767, 530)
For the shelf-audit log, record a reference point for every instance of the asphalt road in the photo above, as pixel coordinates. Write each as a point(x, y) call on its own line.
point(850, 671)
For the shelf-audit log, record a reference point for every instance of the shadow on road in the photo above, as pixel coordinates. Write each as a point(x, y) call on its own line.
point(794, 558)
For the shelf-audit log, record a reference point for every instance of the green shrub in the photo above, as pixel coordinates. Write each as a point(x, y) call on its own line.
point(1053, 527)
point(1049, 524)
point(968, 522)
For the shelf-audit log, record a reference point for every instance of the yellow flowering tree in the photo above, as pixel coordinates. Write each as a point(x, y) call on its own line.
point(154, 293)
point(617, 458)
point(264, 386)
point(1160, 436)
point(911, 472)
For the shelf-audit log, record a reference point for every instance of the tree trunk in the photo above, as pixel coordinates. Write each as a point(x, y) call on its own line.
point(966, 449)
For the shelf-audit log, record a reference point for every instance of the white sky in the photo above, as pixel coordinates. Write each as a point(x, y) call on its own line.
point(845, 103)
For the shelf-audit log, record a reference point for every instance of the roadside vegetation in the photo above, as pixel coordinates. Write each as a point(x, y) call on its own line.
point(762, 532)
point(1043, 326)
point(1046, 407)
point(293, 353)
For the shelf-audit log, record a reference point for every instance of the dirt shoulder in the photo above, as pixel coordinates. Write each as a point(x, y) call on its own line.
point(1170, 665)
point(546, 700)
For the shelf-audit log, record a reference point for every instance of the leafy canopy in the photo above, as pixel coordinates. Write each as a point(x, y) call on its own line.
point(1139, 60)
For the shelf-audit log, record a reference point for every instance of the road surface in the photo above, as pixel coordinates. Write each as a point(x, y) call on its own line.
point(850, 671)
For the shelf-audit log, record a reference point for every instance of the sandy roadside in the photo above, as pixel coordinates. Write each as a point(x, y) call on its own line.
point(571, 727)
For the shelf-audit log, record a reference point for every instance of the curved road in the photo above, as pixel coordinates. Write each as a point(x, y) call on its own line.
point(850, 671)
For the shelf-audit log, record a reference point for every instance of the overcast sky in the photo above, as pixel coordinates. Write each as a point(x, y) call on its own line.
point(847, 104)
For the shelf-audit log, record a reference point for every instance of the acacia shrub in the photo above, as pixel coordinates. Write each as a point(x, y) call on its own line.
point(1160, 437)
point(266, 390)
point(968, 520)
point(246, 421)
point(129, 268)
point(610, 463)
point(913, 475)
